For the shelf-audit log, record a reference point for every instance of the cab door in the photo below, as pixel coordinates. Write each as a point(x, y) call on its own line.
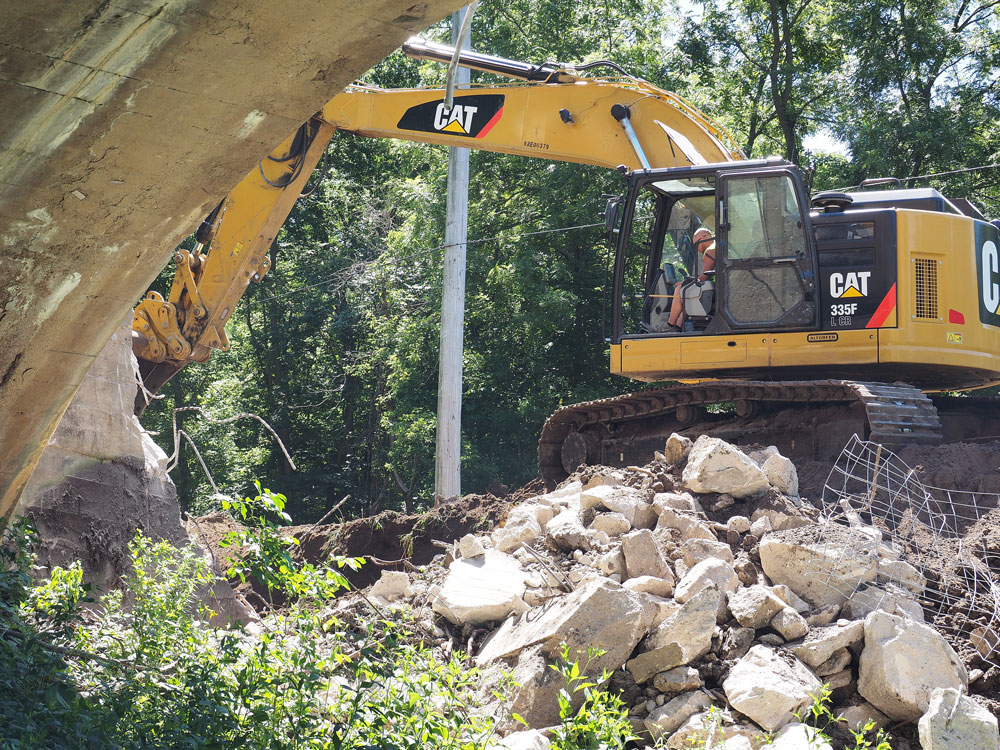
point(766, 257)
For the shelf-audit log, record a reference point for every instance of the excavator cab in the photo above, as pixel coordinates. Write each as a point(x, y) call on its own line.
point(764, 276)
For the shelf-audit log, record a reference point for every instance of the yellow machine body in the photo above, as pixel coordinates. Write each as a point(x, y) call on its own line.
point(931, 334)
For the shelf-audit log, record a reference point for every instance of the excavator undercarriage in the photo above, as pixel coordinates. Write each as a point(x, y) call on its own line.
point(805, 419)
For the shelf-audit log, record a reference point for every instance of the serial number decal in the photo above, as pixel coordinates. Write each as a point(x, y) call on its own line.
point(536, 144)
point(822, 337)
point(850, 308)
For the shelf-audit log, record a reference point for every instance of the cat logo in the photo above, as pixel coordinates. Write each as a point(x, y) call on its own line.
point(456, 120)
point(471, 116)
point(991, 265)
point(988, 273)
point(854, 284)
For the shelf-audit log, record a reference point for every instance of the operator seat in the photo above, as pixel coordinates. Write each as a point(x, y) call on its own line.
point(656, 308)
point(698, 298)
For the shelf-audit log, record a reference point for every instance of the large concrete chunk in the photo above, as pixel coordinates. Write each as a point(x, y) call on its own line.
point(565, 532)
point(754, 606)
point(821, 572)
point(612, 524)
point(677, 680)
point(698, 549)
point(392, 585)
point(891, 599)
point(821, 643)
point(628, 501)
point(796, 736)
point(524, 530)
point(667, 719)
point(956, 722)
point(714, 465)
point(601, 613)
point(715, 729)
point(790, 624)
point(681, 638)
point(481, 589)
point(768, 688)
point(677, 448)
point(537, 686)
point(708, 573)
point(643, 556)
point(533, 739)
point(780, 472)
point(902, 663)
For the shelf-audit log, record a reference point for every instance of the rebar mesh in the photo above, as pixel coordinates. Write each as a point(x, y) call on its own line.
point(890, 542)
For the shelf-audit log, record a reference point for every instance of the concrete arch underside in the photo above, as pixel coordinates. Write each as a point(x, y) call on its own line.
point(122, 123)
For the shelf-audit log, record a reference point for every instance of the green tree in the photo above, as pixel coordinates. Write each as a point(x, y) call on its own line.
point(768, 66)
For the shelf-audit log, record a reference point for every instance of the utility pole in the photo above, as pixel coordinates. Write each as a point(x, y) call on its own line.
point(447, 467)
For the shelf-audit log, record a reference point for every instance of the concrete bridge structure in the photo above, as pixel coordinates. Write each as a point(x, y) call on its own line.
point(122, 123)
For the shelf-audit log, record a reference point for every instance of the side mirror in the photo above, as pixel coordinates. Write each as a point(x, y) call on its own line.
point(612, 213)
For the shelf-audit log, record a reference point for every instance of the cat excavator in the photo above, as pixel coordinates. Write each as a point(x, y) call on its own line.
point(823, 315)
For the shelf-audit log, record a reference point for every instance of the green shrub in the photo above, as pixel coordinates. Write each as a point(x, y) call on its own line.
point(143, 671)
point(602, 722)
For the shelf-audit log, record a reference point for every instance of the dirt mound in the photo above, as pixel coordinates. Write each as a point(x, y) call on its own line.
point(389, 540)
point(973, 467)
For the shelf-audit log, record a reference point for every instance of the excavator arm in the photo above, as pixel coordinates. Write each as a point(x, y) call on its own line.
point(552, 112)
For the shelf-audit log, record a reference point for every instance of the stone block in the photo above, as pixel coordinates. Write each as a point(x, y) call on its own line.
point(956, 722)
point(600, 614)
point(754, 606)
point(902, 663)
point(643, 556)
point(768, 688)
point(714, 465)
point(482, 589)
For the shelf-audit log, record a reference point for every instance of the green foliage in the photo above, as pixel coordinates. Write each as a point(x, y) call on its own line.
point(57, 600)
point(144, 670)
point(39, 703)
point(819, 716)
point(601, 722)
point(265, 554)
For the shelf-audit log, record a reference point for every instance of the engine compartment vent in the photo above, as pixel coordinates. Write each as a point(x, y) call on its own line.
point(925, 288)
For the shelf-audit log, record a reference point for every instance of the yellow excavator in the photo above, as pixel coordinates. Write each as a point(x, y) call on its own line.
point(839, 309)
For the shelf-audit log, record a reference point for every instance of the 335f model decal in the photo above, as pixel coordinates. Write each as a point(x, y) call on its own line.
point(471, 116)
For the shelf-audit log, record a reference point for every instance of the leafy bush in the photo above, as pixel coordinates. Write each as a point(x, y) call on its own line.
point(819, 716)
point(602, 722)
point(143, 671)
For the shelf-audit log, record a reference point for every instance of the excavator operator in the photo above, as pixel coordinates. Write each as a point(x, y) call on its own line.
point(704, 244)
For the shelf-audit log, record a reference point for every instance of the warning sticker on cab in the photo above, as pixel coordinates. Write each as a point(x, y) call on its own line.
point(953, 337)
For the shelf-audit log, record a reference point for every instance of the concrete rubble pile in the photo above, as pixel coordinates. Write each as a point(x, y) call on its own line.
point(695, 577)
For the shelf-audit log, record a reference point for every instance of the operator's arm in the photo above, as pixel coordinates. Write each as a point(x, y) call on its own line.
point(708, 264)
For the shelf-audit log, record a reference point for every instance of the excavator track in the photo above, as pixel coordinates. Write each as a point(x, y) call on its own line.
point(896, 414)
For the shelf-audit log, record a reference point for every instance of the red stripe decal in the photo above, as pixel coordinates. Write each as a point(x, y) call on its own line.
point(489, 126)
point(885, 307)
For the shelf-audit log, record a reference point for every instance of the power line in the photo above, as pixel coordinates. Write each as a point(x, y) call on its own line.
point(427, 251)
point(963, 170)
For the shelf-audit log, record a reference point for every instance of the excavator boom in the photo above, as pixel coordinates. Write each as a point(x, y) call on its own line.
point(551, 112)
